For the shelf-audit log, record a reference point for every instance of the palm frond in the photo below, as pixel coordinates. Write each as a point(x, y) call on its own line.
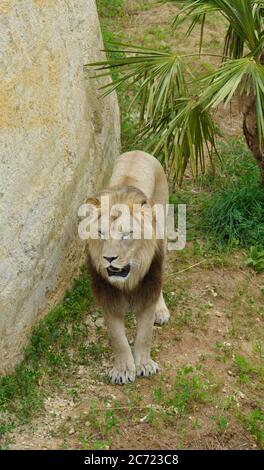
point(245, 18)
point(194, 11)
point(185, 135)
point(176, 127)
point(237, 74)
point(160, 77)
point(175, 119)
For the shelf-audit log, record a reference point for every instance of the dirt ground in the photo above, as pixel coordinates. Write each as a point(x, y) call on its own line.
point(209, 393)
point(213, 320)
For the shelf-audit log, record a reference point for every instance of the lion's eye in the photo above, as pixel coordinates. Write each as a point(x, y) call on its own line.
point(127, 236)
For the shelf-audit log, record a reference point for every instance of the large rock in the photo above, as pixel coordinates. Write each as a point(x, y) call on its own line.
point(57, 144)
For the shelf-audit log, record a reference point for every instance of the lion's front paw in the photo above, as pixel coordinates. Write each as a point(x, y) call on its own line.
point(122, 374)
point(162, 315)
point(147, 368)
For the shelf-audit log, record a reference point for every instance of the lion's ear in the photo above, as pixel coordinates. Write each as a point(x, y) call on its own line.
point(147, 204)
point(90, 209)
point(94, 201)
point(147, 210)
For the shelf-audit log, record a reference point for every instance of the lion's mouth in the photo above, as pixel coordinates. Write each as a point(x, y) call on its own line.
point(118, 272)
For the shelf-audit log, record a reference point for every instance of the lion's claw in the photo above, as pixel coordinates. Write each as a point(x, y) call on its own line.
point(122, 375)
point(146, 369)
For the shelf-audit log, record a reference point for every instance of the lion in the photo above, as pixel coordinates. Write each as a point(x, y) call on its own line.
point(126, 272)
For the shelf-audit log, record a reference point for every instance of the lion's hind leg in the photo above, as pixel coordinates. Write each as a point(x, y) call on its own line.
point(162, 314)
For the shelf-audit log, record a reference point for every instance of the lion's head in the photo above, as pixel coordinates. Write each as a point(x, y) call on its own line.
point(123, 242)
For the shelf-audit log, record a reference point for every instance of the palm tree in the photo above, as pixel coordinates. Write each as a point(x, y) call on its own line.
point(176, 107)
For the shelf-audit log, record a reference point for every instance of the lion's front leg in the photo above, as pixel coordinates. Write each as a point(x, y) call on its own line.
point(145, 366)
point(123, 370)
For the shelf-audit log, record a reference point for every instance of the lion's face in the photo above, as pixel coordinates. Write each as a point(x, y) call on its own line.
point(120, 253)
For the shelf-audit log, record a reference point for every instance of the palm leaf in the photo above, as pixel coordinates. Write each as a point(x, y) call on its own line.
point(167, 108)
point(175, 120)
point(185, 135)
point(239, 74)
point(160, 77)
point(245, 19)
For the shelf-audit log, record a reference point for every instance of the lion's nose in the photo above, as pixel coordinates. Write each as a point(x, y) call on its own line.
point(110, 258)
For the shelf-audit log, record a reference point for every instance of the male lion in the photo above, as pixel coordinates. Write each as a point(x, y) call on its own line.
point(126, 273)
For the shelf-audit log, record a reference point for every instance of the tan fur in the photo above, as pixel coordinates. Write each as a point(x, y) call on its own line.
point(137, 178)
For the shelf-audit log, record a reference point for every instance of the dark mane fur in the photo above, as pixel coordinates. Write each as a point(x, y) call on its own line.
point(145, 294)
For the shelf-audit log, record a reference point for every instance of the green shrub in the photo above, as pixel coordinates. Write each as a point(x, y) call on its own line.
point(234, 213)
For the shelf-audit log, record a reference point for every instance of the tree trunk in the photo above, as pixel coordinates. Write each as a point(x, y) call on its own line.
point(250, 128)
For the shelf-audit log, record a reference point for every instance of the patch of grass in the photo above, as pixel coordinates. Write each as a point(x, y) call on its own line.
point(189, 390)
point(157, 36)
point(191, 387)
point(245, 369)
point(144, 5)
point(5, 427)
point(234, 213)
point(256, 259)
point(110, 8)
point(224, 351)
point(254, 423)
point(221, 423)
point(105, 419)
point(225, 211)
point(52, 353)
point(110, 421)
point(96, 428)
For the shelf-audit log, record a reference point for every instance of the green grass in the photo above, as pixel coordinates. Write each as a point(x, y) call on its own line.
point(47, 359)
point(234, 215)
point(246, 370)
point(103, 425)
point(221, 423)
point(191, 387)
point(233, 212)
point(254, 423)
point(256, 258)
point(226, 210)
point(110, 8)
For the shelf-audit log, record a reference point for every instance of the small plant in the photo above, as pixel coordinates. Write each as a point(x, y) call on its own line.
point(158, 394)
point(256, 259)
point(245, 369)
point(110, 421)
point(221, 423)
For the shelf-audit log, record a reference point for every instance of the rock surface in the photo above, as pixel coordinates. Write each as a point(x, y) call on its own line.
point(57, 145)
